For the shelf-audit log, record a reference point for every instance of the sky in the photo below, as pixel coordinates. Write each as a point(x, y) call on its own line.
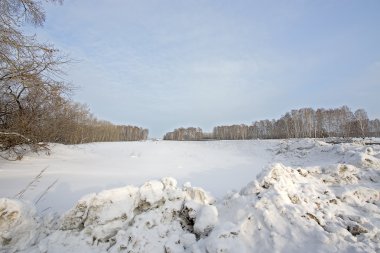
point(180, 63)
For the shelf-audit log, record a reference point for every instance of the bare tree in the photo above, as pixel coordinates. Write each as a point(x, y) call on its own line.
point(35, 104)
point(374, 128)
point(185, 134)
point(362, 120)
point(28, 69)
point(305, 123)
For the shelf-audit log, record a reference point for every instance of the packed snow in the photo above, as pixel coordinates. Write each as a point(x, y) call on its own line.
point(294, 196)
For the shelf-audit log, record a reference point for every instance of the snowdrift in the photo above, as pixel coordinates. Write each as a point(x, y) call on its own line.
point(333, 207)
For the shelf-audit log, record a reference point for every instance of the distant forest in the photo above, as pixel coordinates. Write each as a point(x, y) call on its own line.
point(301, 123)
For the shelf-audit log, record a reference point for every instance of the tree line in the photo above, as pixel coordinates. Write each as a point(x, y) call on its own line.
point(301, 123)
point(185, 134)
point(35, 104)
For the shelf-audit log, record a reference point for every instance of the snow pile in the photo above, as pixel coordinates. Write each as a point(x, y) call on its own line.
point(367, 158)
point(18, 225)
point(293, 209)
point(329, 203)
point(157, 217)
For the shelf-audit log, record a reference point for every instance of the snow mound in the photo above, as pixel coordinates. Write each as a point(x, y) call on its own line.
point(156, 217)
point(288, 209)
point(18, 225)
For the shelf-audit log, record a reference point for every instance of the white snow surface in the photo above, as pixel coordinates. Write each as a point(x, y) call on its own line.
point(87, 168)
point(299, 196)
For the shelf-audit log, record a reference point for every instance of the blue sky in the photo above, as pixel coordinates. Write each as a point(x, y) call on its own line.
point(166, 64)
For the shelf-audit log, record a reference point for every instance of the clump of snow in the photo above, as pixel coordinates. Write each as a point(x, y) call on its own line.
point(151, 195)
point(207, 217)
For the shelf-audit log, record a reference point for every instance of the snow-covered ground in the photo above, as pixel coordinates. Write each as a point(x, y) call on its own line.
point(217, 166)
point(250, 196)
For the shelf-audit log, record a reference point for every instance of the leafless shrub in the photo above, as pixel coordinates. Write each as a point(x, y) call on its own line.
point(45, 191)
point(31, 185)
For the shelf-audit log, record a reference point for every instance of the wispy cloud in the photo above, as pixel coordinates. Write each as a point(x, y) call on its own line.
point(163, 64)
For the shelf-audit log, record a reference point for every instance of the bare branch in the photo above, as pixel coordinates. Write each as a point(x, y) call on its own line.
point(15, 134)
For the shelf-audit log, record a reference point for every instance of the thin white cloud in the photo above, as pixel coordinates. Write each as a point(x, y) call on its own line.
point(166, 63)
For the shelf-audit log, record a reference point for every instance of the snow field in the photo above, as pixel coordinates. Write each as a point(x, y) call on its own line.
point(88, 168)
point(313, 197)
